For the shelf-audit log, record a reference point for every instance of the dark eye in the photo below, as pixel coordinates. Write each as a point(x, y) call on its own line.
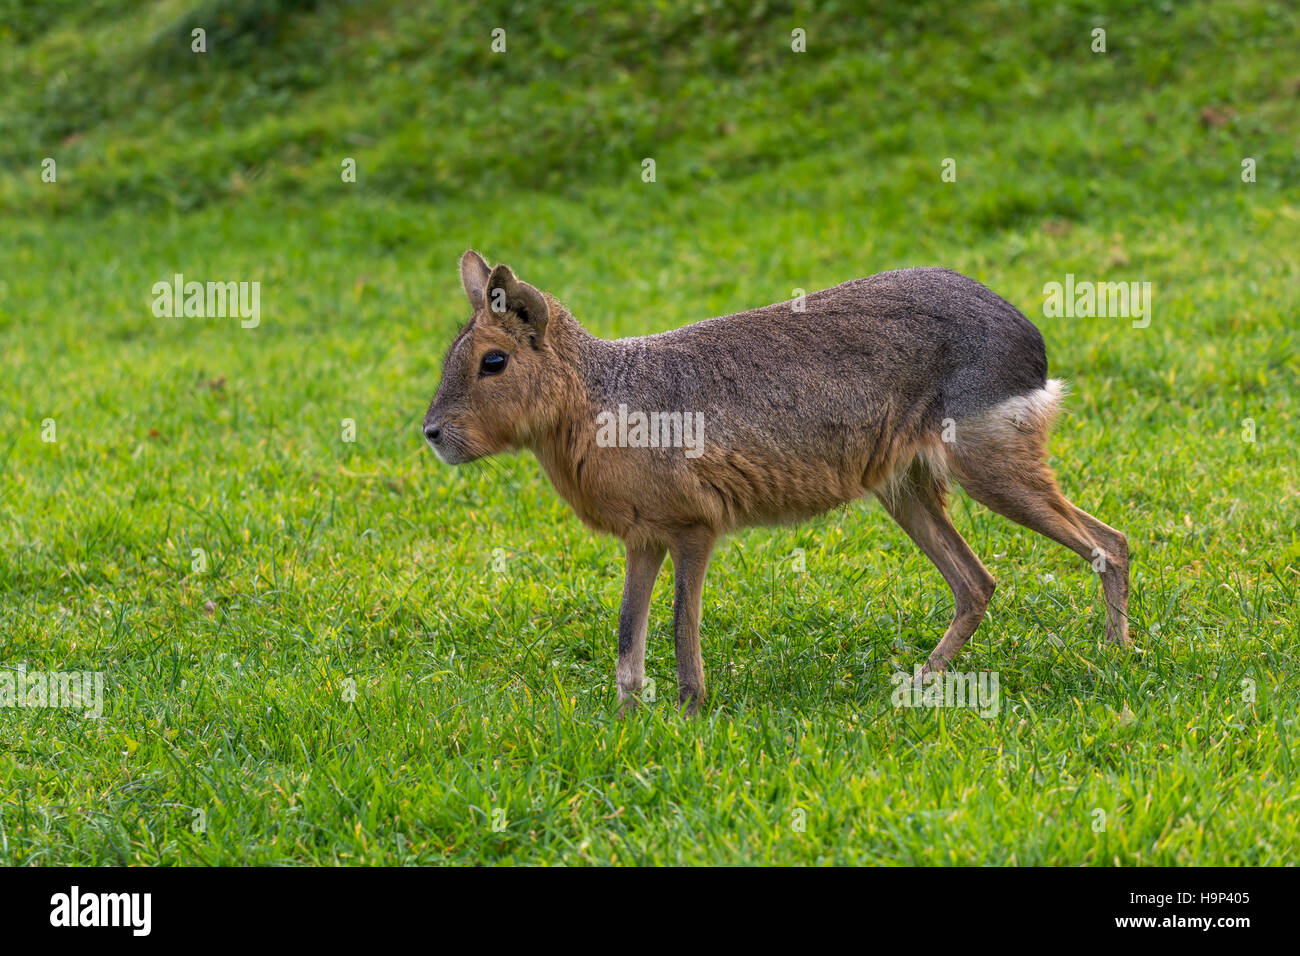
point(494, 363)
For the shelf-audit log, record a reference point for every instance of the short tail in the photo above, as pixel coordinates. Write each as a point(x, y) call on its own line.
point(1015, 429)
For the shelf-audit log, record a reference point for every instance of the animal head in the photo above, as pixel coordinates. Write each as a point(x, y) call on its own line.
point(502, 379)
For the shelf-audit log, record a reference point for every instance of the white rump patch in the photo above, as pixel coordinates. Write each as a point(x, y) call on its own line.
point(1014, 428)
point(1031, 413)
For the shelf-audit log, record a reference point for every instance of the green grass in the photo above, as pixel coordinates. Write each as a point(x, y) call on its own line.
point(481, 690)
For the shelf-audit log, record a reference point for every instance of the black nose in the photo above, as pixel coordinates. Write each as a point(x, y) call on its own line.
point(432, 432)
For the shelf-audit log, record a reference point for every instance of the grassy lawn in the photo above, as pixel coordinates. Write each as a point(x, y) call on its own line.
point(323, 651)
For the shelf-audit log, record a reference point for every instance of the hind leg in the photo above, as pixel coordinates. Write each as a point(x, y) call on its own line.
point(1022, 488)
point(917, 504)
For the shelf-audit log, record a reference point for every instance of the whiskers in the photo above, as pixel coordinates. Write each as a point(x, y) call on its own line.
point(497, 470)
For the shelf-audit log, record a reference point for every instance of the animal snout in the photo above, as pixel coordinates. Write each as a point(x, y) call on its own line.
point(432, 432)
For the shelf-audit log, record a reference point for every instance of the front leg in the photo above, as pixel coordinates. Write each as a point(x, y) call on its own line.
point(642, 568)
point(691, 551)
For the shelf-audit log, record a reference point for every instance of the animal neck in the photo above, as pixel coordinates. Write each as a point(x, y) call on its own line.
point(564, 444)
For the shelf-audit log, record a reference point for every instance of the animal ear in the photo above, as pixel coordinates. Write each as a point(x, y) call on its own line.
point(507, 294)
point(474, 276)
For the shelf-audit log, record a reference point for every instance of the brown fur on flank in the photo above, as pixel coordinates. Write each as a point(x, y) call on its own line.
point(894, 385)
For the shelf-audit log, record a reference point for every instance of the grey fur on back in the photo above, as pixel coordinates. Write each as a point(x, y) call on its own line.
point(930, 341)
